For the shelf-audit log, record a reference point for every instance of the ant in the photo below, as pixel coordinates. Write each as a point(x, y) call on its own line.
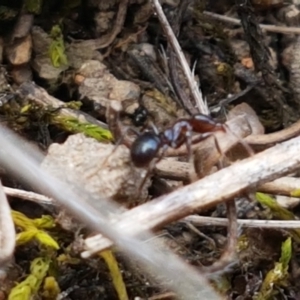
point(147, 145)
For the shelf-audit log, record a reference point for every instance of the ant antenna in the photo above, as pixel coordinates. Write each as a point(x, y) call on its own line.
point(113, 121)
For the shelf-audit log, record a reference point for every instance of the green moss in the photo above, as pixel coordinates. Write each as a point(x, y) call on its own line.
point(57, 48)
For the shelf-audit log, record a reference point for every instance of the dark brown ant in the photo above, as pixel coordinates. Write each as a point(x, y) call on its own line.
point(147, 145)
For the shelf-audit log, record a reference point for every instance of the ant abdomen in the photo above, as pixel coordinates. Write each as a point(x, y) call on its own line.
point(202, 124)
point(144, 149)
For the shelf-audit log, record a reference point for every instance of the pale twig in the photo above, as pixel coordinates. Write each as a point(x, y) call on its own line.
point(175, 170)
point(281, 186)
point(209, 221)
point(31, 196)
point(7, 231)
point(229, 252)
point(265, 140)
point(270, 28)
point(197, 95)
point(208, 192)
point(163, 296)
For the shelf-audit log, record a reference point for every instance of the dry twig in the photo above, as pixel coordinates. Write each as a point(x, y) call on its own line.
point(209, 221)
point(183, 96)
point(7, 231)
point(177, 49)
point(265, 140)
point(229, 252)
point(270, 28)
point(31, 196)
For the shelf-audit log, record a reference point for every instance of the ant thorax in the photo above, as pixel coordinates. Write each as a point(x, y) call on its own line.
point(178, 134)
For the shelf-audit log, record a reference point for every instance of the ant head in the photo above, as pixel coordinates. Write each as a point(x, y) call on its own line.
point(144, 149)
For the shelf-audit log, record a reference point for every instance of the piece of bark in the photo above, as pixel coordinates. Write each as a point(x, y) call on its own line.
point(174, 170)
point(209, 152)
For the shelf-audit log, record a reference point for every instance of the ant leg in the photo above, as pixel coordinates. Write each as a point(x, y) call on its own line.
point(155, 129)
point(149, 171)
point(207, 135)
point(115, 126)
point(188, 144)
point(151, 168)
point(119, 142)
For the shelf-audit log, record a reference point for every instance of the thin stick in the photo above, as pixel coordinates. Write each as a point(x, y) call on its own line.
point(270, 28)
point(31, 196)
point(228, 255)
point(275, 137)
point(177, 49)
point(181, 92)
point(209, 221)
point(7, 231)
